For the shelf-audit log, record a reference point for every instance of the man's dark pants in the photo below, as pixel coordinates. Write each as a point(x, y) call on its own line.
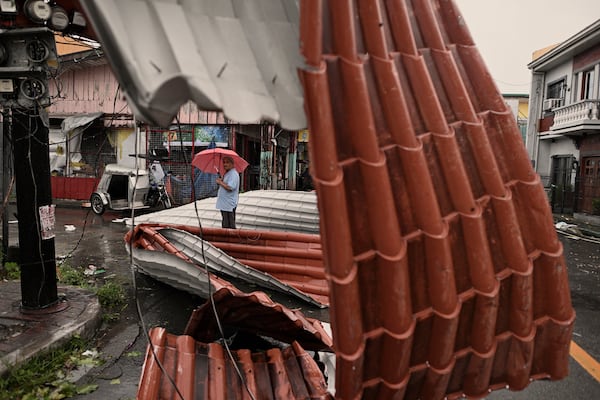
point(228, 219)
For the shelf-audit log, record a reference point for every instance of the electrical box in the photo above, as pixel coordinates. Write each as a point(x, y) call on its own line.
point(28, 58)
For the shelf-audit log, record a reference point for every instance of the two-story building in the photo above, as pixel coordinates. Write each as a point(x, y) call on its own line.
point(563, 133)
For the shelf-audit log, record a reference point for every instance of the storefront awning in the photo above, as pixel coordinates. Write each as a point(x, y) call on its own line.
point(79, 120)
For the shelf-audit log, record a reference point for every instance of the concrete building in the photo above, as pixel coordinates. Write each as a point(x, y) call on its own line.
point(563, 133)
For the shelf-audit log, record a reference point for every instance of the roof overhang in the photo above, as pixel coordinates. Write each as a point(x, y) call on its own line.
point(576, 44)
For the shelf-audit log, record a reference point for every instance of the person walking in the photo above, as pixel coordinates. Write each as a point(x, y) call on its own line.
point(228, 193)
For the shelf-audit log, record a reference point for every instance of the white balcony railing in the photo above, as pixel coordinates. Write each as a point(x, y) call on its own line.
point(580, 113)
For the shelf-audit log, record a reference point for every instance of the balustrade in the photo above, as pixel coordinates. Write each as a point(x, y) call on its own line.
point(576, 114)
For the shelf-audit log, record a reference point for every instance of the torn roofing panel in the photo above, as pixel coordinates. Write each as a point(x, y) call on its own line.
point(443, 262)
point(257, 314)
point(285, 262)
point(236, 56)
point(202, 370)
point(248, 312)
point(288, 263)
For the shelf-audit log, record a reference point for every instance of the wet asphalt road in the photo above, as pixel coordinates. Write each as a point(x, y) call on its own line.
point(97, 240)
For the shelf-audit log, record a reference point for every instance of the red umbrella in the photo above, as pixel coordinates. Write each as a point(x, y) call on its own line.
point(211, 160)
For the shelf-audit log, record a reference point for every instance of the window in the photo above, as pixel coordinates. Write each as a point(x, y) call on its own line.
point(556, 90)
point(587, 85)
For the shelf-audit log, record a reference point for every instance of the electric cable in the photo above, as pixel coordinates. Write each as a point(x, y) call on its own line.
point(134, 279)
point(208, 273)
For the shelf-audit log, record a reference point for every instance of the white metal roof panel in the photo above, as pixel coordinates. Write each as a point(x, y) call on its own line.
point(276, 210)
point(238, 56)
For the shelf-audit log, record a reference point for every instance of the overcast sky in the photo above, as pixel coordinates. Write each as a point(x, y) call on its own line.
point(507, 32)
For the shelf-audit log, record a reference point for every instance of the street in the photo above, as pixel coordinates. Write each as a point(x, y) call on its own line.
point(97, 240)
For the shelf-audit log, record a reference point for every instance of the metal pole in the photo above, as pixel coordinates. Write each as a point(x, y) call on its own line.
point(7, 174)
point(35, 212)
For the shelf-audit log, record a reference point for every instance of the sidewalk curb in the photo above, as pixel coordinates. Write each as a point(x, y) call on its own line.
point(46, 331)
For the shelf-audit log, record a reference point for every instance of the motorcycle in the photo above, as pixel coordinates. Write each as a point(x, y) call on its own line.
point(157, 193)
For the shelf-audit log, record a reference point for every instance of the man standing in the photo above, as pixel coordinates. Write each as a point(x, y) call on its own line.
point(228, 193)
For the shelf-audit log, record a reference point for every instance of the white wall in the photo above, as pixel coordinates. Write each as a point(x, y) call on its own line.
point(560, 72)
point(549, 148)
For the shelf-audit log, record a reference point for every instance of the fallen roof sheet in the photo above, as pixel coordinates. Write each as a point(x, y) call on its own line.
point(289, 263)
point(236, 308)
point(447, 277)
point(273, 210)
point(205, 371)
point(446, 274)
point(244, 59)
point(255, 313)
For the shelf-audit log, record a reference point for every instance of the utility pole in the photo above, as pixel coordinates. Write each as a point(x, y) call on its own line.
point(27, 58)
point(6, 156)
point(35, 212)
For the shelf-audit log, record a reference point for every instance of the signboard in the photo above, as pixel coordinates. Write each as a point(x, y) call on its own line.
point(47, 221)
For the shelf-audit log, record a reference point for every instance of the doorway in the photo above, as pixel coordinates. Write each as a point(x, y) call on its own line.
point(563, 182)
point(590, 185)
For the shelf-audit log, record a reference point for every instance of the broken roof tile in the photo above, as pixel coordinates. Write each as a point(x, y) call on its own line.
point(178, 366)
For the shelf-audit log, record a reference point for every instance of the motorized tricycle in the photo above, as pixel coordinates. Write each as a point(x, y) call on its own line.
point(122, 188)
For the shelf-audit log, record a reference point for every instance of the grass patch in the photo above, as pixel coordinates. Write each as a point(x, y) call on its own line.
point(11, 271)
point(111, 295)
point(68, 275)
point(113, 299)
point(44, 376)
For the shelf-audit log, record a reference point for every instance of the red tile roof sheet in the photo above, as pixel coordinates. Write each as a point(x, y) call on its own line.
point(257, 314)
point(293, 259)
point(447, 277)
point(205, 371)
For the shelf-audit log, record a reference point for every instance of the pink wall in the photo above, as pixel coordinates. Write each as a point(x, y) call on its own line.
point(93, 88)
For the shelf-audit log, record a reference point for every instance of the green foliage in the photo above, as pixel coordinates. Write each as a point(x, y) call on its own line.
point(11, 271)
point(44, 376)
point(68, 275)
point(113, 299)
point(111, 295)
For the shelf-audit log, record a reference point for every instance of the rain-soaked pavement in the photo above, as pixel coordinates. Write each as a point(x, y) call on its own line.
point(98, 240)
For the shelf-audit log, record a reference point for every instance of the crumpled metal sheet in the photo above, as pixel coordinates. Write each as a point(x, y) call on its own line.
point(257, 314)
point(289, 263)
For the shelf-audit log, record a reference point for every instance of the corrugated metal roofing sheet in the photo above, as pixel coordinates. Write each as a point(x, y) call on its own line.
point(273, 210)
point(255, 313)
point(447, 277)
point(244, 57)
point(290, 263)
